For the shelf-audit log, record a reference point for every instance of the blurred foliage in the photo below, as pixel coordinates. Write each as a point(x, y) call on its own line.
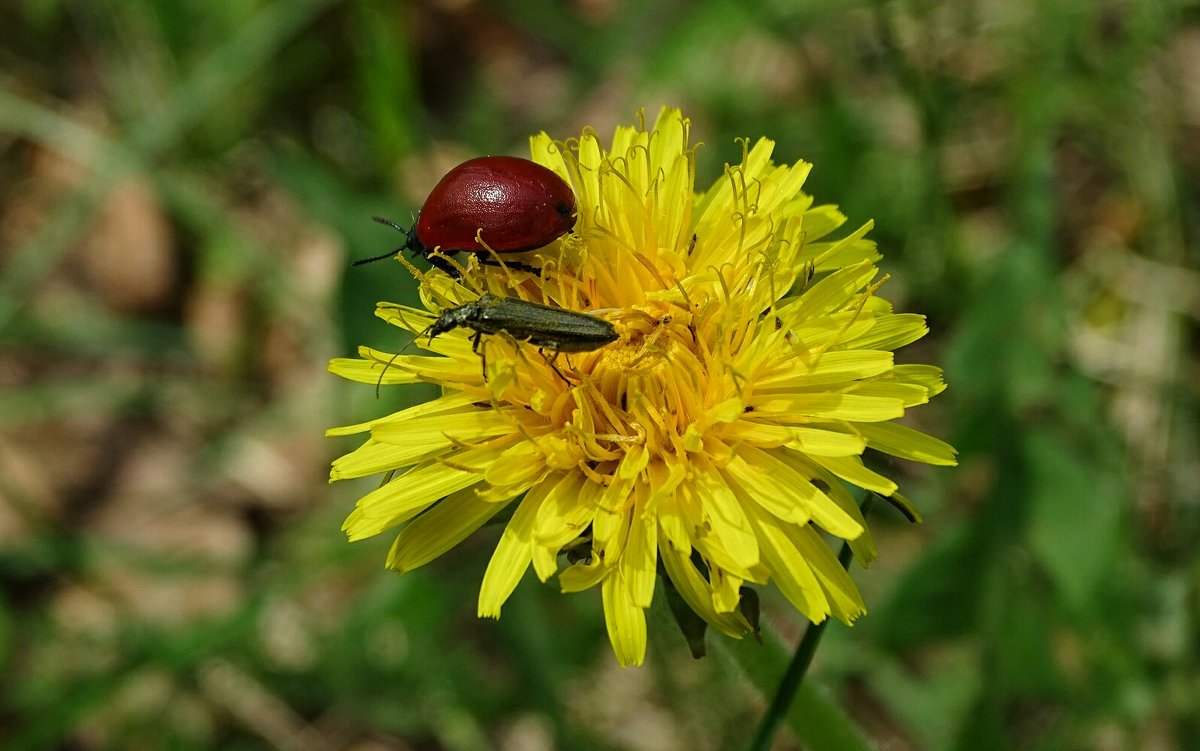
point(183, 184)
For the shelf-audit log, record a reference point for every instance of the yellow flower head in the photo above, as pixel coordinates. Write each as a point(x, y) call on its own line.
point(754, 367)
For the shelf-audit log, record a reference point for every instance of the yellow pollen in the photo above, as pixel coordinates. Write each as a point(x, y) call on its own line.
point(641, 389)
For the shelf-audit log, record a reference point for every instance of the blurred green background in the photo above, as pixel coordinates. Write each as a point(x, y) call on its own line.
point(183, 185)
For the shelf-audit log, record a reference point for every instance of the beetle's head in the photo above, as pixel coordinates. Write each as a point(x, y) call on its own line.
point(453, 318)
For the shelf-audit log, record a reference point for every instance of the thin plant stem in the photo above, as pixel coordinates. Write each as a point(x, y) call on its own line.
point(789, 685)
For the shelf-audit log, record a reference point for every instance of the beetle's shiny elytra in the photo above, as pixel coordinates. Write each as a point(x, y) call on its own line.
point(550, 328)
point(513, 204)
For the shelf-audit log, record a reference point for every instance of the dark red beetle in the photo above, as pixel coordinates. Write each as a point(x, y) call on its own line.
point(513, 204)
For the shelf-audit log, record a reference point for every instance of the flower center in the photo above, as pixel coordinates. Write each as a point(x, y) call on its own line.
point(649, 387)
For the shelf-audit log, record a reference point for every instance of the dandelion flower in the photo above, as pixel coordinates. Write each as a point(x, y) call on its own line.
point(718, 436)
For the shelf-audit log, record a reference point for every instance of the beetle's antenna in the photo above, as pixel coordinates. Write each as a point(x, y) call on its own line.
point(387, 365)
point(390, 223)
point(373, 259)
point(416, 336)
point(394, 253)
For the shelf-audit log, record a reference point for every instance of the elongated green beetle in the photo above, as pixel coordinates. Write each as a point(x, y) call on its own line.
point(555, 329)
point(550, 328)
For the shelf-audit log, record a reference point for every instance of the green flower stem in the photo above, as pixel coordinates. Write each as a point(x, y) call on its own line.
point(815, 720)
point(788, 686)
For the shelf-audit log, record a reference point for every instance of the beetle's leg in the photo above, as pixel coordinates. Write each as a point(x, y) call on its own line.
point(475, 341)
point(440, 262)
point(514, 265)
point(550, 361)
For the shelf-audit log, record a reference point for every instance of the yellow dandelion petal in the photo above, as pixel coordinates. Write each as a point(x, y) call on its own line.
point(673, 527)
point(406, 496)
point(545, 562)
point(512, 556)
point(845, 601)
point(467, 424)
point(924, 375)
point(725, 516)
point(829, 294)
point(825, 440)
point(706, 539)
point(852, 249)
point(819, 442)
point(803, 407)
point(544, 151)
point(664, 478)
point(828, 369)
point(566, 512)
point(383, 369)
point(862, 546)
point(398, 443)
point(907, 394)
point(906, 443)
point(517, 466)
point(819, 221)
point(639, 564)
point(371, 370)
point(720, 435)
point(852, 470)
point(697, 593)
point(887, 331)
point(562, 518)
point(448, 403)
point(581, 576)
point(610, 531)
point(906, 507)
point(726, 588)
point(440, 528)
point(766, 479)
point(626, 622)
point(790, 571)
point(610, 526)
